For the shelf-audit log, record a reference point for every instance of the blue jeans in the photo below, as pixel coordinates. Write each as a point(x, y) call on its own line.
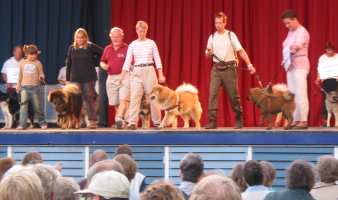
point(30, 93)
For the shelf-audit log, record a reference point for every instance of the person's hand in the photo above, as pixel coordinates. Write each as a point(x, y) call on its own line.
point(251, 69)
point(18, 88)
point(161, 79)
point(209, 52)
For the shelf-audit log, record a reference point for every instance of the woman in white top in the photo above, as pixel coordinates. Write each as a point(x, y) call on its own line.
point(142, 56)
point(328, 84)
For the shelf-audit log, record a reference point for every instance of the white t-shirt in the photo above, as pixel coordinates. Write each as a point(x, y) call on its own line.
point(11, 69)
point(324, 58)
point(223, 46)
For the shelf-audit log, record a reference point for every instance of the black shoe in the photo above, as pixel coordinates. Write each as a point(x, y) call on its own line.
point(132, 127)
point(211, 125)
point(119, 124)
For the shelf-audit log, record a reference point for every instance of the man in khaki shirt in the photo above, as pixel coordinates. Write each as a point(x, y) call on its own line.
point(224, 46)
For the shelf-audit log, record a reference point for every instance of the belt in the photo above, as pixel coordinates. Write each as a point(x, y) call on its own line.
point(144, 65)
point(225, 65)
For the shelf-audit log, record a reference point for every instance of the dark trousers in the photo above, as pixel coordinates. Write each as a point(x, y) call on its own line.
point(228, 79)
point(103, 99)
point(89, 97)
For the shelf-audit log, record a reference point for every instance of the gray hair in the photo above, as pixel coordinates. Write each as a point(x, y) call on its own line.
point(21, 185)
point(64, 189)
point(116, 29)
point(97, 156)
point(104, 165)
point(48, 176)
point(327, 168)
point(269, 173)
point(216, 187)
point(300, 175)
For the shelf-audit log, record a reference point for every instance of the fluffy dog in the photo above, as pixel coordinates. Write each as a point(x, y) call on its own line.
point(183, 102)
point(145, 113)
point(68, 104)
point(10, 108)
point(273, 100)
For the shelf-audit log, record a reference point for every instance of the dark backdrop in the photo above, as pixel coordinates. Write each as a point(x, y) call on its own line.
point(50, 24)
point(181, 29)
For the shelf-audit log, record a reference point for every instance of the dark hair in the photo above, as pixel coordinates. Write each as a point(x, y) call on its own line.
point(32, 158)
point(191, 167)
point(238, 178)
point(253, 173)
point(289, 14)
point(300, 175)
point(124, 149)
point(221, 15)
point(329, 45)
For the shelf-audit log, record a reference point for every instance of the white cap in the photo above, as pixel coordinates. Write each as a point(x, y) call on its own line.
point(108, 184)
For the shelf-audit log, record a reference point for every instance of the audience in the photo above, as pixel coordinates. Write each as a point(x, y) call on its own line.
point(327, 188)
point(161, 190)
point(191, 170)
point(238, 178)
point(253, 175)
point(269, 174)
point(106, 185)
point(216, 187)
point(23, 185)
point(300, 179)
point(65, 188)
point(117, 179)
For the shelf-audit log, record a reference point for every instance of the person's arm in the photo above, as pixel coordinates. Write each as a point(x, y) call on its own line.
point(158, 62)
point(104, 60)
point(208, 51)
point(41, 73)
point(18, 85)
point(4, 72)
point(96, 49)
point(242, 53)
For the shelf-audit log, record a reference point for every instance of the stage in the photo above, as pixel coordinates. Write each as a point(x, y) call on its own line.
point(190, 136)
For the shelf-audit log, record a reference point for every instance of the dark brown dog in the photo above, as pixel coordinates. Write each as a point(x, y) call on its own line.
point(273, 100)
point(68, 104)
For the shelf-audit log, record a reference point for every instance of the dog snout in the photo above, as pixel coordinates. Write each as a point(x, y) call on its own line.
point(152, 97)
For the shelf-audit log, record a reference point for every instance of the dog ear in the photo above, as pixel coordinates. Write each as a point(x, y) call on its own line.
point(269, 88)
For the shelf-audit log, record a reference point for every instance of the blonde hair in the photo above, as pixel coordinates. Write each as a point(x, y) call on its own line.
point(116, 29)
point(142, 24)
point(84, 33)
point(23, 184)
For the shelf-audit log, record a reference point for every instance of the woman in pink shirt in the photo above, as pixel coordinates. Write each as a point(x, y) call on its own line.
point(297, 66)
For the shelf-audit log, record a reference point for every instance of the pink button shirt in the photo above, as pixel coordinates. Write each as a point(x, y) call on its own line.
point(301, 38)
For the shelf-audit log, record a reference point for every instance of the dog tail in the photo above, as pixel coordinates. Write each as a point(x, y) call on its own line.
point(71, 89)
point(186, 87)
point(280, 87)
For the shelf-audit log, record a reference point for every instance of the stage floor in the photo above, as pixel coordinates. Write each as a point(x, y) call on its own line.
point(190, 136)
point(168, 130)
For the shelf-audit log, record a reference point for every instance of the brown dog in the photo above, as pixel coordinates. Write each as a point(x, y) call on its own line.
point(273, 100)
point(68, 104)
point(183, 102)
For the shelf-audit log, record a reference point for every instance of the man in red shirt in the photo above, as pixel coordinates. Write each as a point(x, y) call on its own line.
point(112, 61)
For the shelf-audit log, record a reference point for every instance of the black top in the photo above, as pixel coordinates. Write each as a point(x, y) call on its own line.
point(81, 63)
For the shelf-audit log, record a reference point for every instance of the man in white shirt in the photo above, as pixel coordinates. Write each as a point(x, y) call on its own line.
point(10, 69)
point(224, 46)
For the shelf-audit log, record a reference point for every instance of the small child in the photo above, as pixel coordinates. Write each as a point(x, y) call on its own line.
point(30, 77)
